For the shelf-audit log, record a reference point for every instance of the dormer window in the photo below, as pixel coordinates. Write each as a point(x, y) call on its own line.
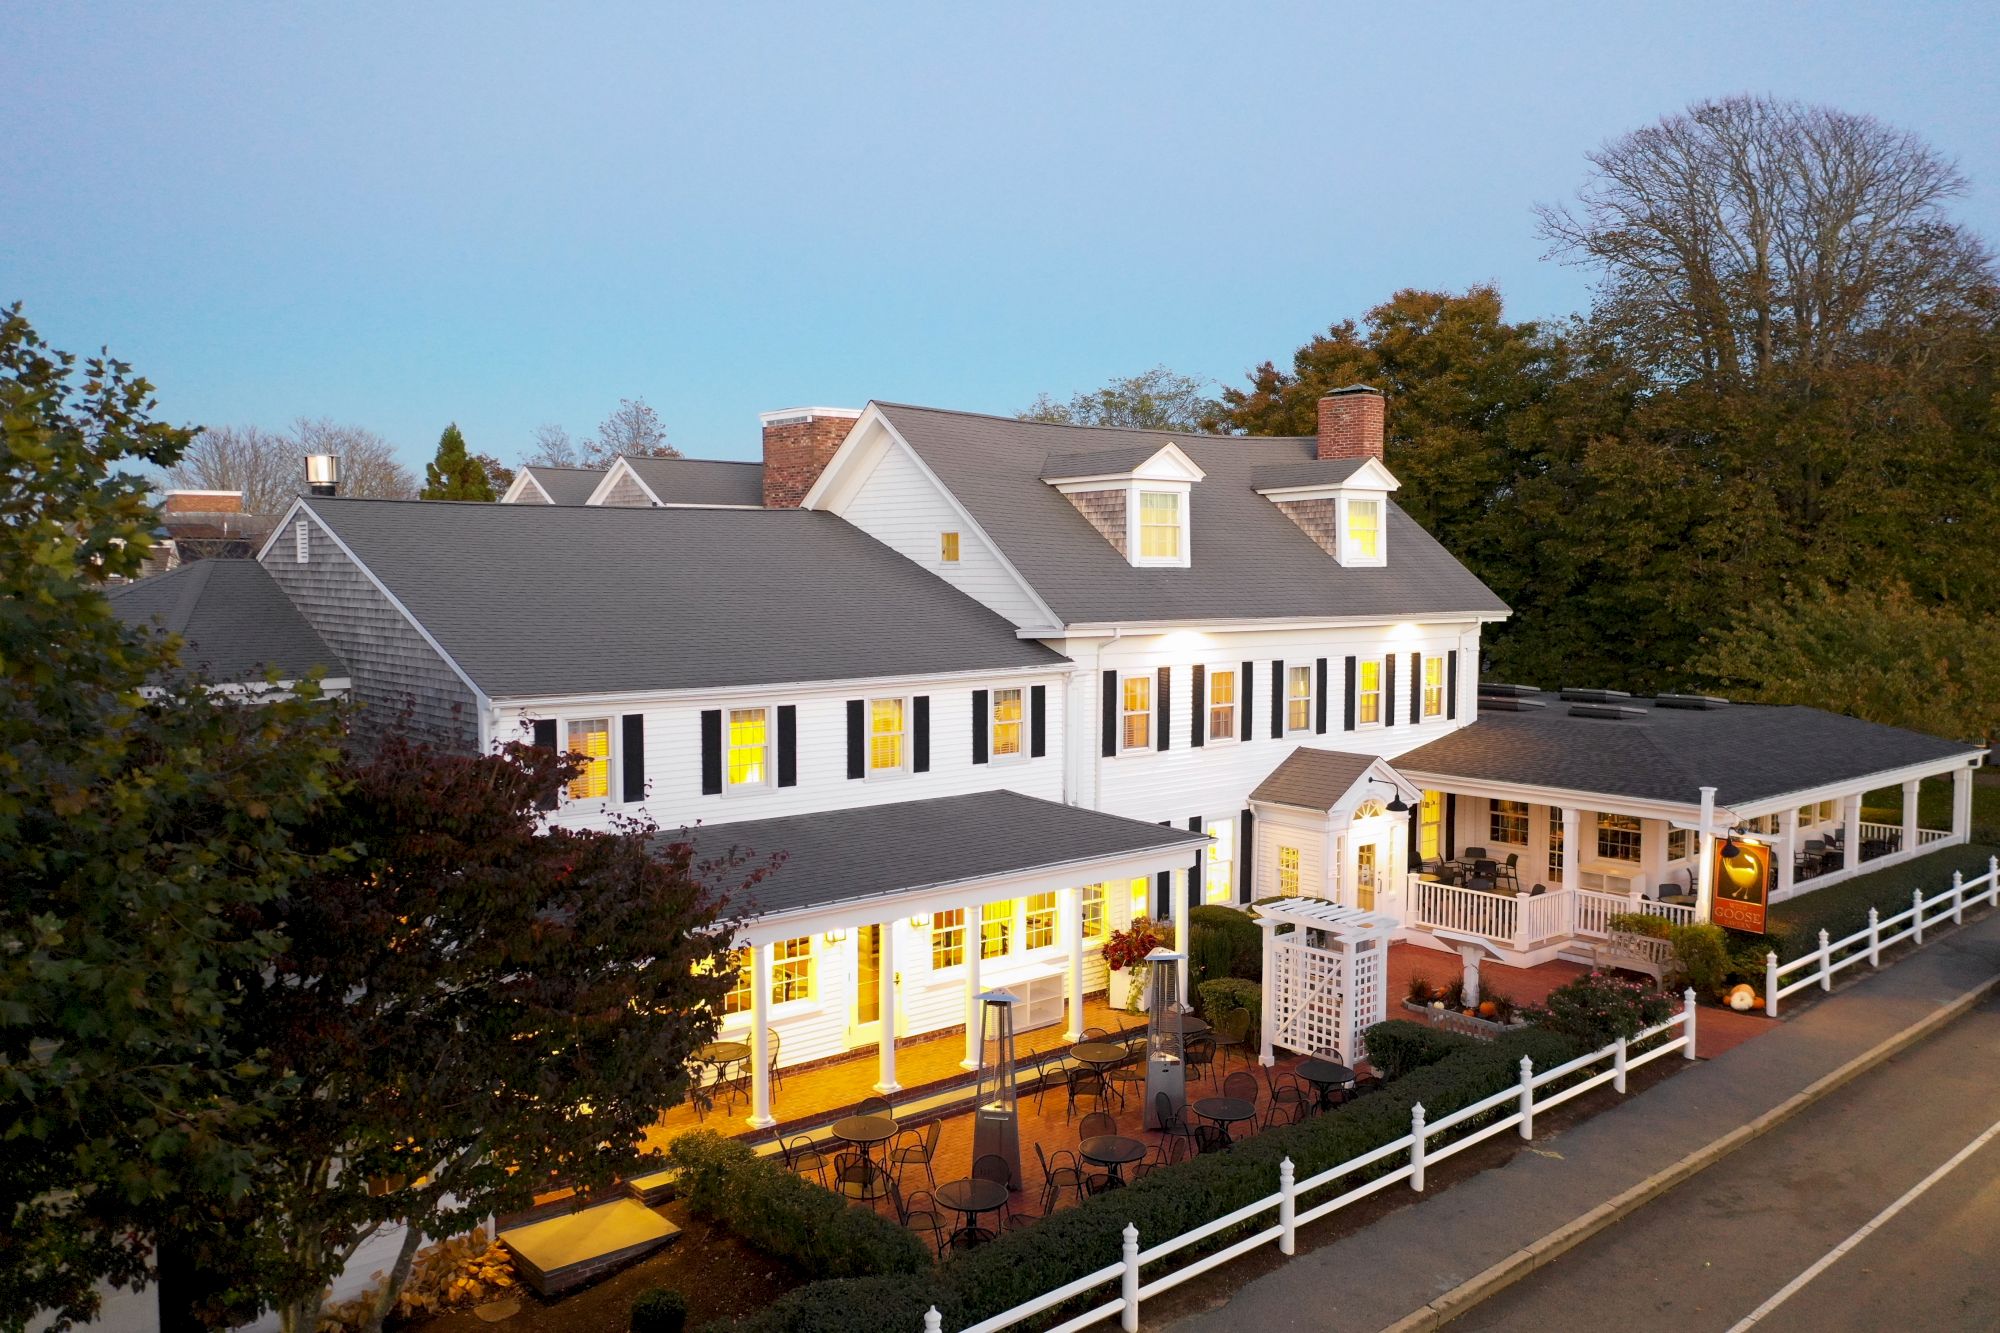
point(1342, 504)
point(1162, 515)
point(1363, 536)
point(1138, 499)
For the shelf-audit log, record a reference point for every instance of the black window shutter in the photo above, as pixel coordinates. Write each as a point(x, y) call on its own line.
point(545, 739)
point(1038, 722)
point(632, 754)
point(1416, 829)
point(857, 738)
point(1110, 693)
point(788, 745)
point(1162, 714)
point(1416, 687)
point(1245, 692)
point(1277, 698)
point(1451, 684)
point(1198, 724)
point(1389, 690)
point(1347, 671)
point(1196, 876)
point(920, 745)
point(1246, 862)
point(1451, 826)
point(979, 707)
point(1319, 699)
point(711, 751)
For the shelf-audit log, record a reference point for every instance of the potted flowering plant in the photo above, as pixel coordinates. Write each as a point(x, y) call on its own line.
point(1125, 954)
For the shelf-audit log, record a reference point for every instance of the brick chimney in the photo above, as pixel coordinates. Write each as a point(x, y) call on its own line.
point(1350, 423)
point(798, 444)
point(203, 502)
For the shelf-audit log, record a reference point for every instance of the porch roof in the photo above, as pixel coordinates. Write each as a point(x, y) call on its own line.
point(1747, 752)
point(875, 851)
point(1311, 779)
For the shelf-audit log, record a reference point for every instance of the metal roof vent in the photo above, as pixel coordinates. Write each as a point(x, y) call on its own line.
point(1608, 712)
point(1495, 690)
point(1703, 701)
point(1509, 703)
point(1594, 696)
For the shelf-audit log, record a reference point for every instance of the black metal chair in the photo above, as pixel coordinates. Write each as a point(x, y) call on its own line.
point(1085, 1082)
point(1243, 1086)
point(1130, 1072)
point(858, 1177)
point(801, 1155)
point(1290, 1099)
point(875, 1106)
point(1199, 1057)
point(1097, 1123)
point(1538, 890)
point(914, 1148)
point(994, 1167)
point(1510, 870)
point(1177, 1134)
point(1232, 1033)
point(920, 1214)
point(777, 1075)
point(1095, 1034)
point(1064, 1172)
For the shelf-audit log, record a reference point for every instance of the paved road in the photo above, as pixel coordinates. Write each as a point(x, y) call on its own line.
point(1733, 1244)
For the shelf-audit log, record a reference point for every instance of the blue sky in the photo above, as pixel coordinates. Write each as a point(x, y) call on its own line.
point(510, 214)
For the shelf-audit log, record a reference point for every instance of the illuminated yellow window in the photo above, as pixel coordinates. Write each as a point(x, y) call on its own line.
point(885, 735)
point(1159, 525)
point(948, 547)
point(1288, 872)
point(591, 739)
point(1006, 728)
point(1555, 842)
point(1094, 896)
point(791, 970)
point(1617, 837)
point(1430, 825)
point(736, 1000)
point(1368, 692)
point(1136, 708)
point(1218, 879)
point(1507, 822)
point(1221, 705)
point(1433, 687)
point(947, 938)
point(996, 928)
point(1298, 698)
point(1364, 529)
point(1041, 921)
point(749, 747)
point(1142, 892)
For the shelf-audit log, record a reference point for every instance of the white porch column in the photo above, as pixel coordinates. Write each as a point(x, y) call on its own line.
point(1850, 832)
point(1177, 885)
point(972, 988)
point(1909, 847)
point(1572, 848)
point(760, 1116)
point(1788, 832)
point(1704, 892)
point(1270, 928)
point(885, 962)
point(1653, 854)
point(1072, 904)
point(1961, 806)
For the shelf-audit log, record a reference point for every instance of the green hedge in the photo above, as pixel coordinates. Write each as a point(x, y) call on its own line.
point(787, 1216)
point(1022, 1265)
point(1224, 942)
point(1793, 926)
point(1219, 997)
point(1400, 1046)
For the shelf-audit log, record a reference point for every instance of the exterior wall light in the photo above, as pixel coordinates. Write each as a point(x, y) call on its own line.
point(921, 921)
point(836, 937)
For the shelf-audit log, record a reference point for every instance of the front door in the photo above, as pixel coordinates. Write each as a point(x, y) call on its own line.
point(1364, 876)
point(867, 984)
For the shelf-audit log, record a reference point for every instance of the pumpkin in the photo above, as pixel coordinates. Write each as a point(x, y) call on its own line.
point(1488, 1008)
point(1742, 999)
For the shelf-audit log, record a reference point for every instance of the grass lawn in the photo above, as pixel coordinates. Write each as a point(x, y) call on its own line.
point(1841, 909)
point(1934, 805)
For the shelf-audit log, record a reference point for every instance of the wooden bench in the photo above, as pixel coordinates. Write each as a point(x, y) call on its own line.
point(1634, 952)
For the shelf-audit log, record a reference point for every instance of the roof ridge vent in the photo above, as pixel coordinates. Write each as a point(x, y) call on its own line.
point(1608, 712)
point(1700, 701)
point(1594, 696)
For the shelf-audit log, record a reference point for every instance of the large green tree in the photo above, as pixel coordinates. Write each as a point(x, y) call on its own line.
point(1156, 399)
point(454, 474)
point(137, 827)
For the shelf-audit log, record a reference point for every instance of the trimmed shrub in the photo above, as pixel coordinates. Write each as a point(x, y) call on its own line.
point(1792, 928)
point(1599, 1007)
point(789, 1217)
point(1701, 951)
point(1401, 1045)
point(659, 1310)
point(1641, 923)
point(1223, 942)
point(1220, 996)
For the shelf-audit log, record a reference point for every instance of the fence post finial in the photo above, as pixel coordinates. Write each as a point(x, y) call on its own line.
point(1287, 1206)
point(1527, 1098)
point(1418, 1145)
point(933, 1321)
point(1688, 1010)
point(1129, 1287)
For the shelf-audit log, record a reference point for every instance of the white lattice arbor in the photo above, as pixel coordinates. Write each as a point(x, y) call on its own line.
point(1325, 976)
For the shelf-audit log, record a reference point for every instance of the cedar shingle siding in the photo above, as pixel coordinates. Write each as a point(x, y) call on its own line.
point(628, 492)
point(389, 661)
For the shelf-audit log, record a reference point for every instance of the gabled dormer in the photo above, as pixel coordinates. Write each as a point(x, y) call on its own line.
point(1341, 503)
point(1140, 499)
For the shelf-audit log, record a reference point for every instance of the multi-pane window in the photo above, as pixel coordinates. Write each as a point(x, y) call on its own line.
point(1141, 890)
point(1006, 724)
point(996, 928)
point(591, 738)
point(1555, 842)
point(1507, 822)
point(885, 735)
point(1288, 872)
point(749, 747)
point(1680, 844)
point(948, 547)
point(1364, 529)
point(1093, 900)
point(1433, 687)
point(737, 999)
point(1040, 925)
point(1159, 525)
point(1298, 698)
point(1617, 837)
point(1368, 692)
point(1219, 872)
point(1826, 812)
point(1221, 705)
point(947, 939)
point(1430, 825)
point(791, 969)
point(1135, 708)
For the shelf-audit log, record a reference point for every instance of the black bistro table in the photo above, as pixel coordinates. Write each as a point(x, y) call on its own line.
point(1112, 1151)
point(723, 1053)
point(1226, 1111)
point(864, 1132)
point(1325, 1075)
point(1099, 1054)
point(971, 1197)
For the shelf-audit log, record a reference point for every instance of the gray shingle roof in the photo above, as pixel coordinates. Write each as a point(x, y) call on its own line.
point(537, 600)
point(1313, 779)
point(565, 485)
point(839, 856)
point(701, 481)
point(236, 619)
point(1249, 560)
point(1747, 752)
point(1316, 472)
point(1096, 462)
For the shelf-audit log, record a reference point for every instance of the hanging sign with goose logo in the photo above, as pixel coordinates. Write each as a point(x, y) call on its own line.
point(1742, 885)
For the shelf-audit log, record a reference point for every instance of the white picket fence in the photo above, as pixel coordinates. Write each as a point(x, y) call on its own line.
point(1880, 933)
point(1416, 1148)
point(1521, 920)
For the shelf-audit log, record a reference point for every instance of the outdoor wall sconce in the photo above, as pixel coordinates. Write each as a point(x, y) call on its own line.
point(836, 937)
point(921, 921)
point(1397, 805)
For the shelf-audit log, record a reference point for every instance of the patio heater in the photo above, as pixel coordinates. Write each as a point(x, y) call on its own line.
point(1166, 1035)
point(996, 1122)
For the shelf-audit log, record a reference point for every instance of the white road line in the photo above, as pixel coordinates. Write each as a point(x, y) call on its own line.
point(1832, 1256)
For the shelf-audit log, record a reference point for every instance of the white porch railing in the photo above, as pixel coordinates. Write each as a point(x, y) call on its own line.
point(1415, 1149)
point(1868, 944)
point(1927, 836)
point(1520, 921)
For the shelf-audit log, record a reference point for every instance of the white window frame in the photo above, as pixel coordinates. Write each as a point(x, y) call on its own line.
point(1235, 703)
point(1424, 663)
point(1430, 833)
point(904, 736)
point(1294, 872)
point(1350, 552)
point(610, 757)
point(730, 787)
point(951, 548)
point(1145, 747)
point(993, 724)
point(1309, 698)
point(1494, 815)
point(1361, 719)
point(1135, 536)
point(1228, 839)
